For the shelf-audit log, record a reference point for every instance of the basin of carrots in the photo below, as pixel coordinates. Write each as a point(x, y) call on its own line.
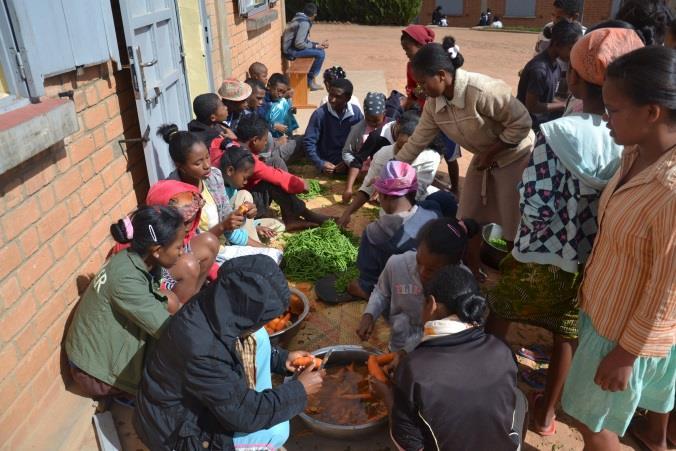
point(294, 314)
point(345, 398)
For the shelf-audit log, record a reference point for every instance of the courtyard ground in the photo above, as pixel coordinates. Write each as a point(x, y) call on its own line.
point(373, 59)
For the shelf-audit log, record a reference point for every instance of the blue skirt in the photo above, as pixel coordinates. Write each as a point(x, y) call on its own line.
point(651, 386)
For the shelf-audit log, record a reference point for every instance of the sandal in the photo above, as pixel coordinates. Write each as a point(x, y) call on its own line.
point(536, 354)
point(549, 430)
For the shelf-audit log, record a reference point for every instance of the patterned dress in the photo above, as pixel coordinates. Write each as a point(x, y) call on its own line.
point(540, 278)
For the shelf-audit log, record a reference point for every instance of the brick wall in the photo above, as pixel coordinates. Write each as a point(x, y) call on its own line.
point(243, 47)
point(594, 11)
point(55, 212)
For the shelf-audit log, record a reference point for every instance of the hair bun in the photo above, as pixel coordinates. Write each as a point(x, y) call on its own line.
point(120, 233)
point(473, 309)
point(167, 132)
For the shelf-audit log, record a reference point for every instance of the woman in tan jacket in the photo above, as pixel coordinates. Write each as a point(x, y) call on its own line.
point(481, 115)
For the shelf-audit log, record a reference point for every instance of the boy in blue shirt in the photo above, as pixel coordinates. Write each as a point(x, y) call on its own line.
point(329, 127)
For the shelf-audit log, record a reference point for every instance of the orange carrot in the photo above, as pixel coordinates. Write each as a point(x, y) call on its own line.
point(284, 321)
point(385, 358)
point(375, 370)
point(357, 396)
point(242, 210)
point(306, 361)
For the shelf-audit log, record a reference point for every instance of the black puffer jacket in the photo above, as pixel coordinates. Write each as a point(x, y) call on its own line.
point(194, 393)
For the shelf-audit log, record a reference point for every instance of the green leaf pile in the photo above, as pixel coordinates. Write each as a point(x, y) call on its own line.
point(314, 253)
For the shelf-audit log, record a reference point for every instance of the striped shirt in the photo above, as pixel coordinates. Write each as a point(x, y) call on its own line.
point(629, 288)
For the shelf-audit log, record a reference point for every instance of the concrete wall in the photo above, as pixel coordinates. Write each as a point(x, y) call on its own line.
point(594, 11)
point(55, 212)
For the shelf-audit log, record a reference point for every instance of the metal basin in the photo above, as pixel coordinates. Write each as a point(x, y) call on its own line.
point(343, 355)
point(490, 254)
point(285, 335)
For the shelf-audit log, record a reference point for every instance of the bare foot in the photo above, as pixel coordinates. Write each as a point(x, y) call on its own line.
point(355, 290)
point(542, 420)
point(294, 225)
point(317, 218)
point(640, 430)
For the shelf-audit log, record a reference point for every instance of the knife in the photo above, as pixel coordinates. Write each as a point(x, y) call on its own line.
point(326, 359)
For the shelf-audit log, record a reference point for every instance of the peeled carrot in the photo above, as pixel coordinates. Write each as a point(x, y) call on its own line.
point(284, 321)
point(357, 396)
point(242, 210)
point(296, 305)
point(385, 358)
point(375, 370)
point(306, 361)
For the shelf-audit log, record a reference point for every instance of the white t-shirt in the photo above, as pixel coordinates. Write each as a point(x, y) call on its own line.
point(425, 164)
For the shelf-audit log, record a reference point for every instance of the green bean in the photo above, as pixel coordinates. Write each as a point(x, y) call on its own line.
point(314, 253)
point(316, 189)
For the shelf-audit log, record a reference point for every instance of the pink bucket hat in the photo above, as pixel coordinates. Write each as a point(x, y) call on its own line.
point(234, 90)
point(397, 179)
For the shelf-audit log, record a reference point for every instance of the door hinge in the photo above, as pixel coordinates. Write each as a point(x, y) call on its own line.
point(20, 65)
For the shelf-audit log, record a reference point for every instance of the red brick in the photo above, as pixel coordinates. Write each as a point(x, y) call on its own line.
point(100, 231)
point(20, 218)
point(102, 157)
point(15, 415)
point(86, 170)
point(48, 314)
point(10, 257)
point(111, 198)
point(114, 127)
point(84, 250)
point(82, 148)
point(99, 137)
point(25, 339)
point(77, 228)
point(105, 88)
point(67, 183)
point(114, 171)
point(66, 270)
point(8, 357)
point(32, 362)
point(29, 241)
point(43, 290)
point(12, 192)
point(80, 101)
point(92, 190)
point(11, 291)
point(46, 199)
point(52, 222)
point(63, 162)
point(35, 267)
point(15, 319)
point(59, 246)
point(91, 94)
point(95, 116)
point(74, 204)
point(8, 390)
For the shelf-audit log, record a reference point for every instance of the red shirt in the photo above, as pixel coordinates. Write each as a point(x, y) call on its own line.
point(262, 172)
point(412, 87)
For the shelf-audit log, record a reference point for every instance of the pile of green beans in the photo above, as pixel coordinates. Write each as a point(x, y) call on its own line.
point(314, 253)
point(316, 189)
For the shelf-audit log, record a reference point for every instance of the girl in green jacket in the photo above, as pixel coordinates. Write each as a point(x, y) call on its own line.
point(123, 308)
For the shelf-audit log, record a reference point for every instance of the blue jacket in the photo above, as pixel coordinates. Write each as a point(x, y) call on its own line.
point(326, 133)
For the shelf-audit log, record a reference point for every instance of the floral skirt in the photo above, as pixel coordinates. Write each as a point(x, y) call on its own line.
point(540, 295)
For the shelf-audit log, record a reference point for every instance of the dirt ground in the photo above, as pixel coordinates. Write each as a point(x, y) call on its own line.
point(497, 54)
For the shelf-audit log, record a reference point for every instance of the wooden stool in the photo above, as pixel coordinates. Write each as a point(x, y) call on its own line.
point(298, 70)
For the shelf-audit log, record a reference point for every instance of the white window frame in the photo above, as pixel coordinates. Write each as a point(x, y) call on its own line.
point(245, 9)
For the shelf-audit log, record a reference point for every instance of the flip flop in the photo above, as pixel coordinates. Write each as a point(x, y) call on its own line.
point(551, 429)
point(534, 378)
point(536, 354)
point(325, 289)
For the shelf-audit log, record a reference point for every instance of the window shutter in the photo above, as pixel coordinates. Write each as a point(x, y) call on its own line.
point(520, 8)
point(57, 36)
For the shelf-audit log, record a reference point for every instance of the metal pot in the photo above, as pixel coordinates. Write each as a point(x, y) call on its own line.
point(285, 335)
point(343, 355)
point(491, 255)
